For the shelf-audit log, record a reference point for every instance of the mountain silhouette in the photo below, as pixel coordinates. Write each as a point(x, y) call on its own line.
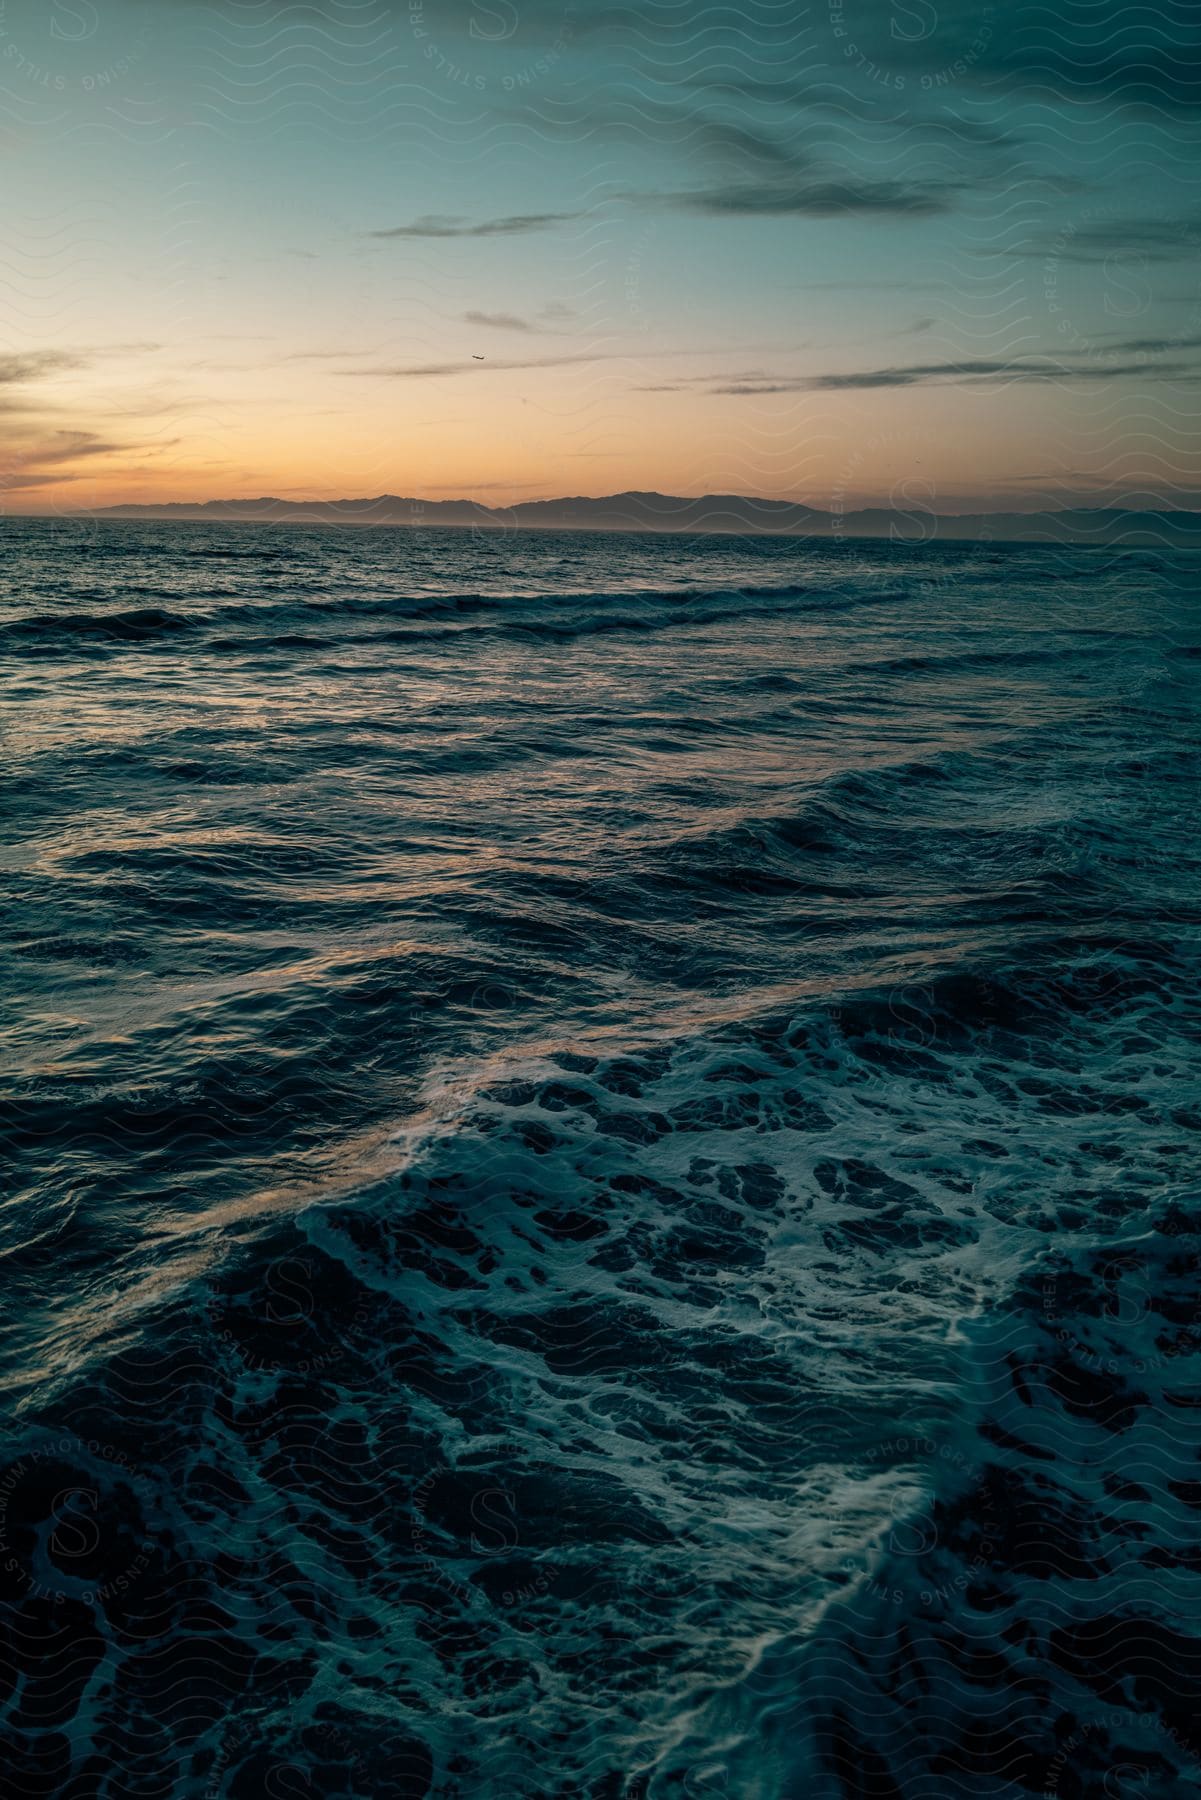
point(731, 513)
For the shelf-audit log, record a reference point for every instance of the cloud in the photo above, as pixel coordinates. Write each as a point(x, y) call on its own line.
point(817, 197)
point(820, 162)
point(1155, 346)
point(68, 446)
point(1156, 240)
point(44, 464)
point(824, 158)
point(428, 371)
point(970, 369)
point(11, 483)
point(490, 365)
point(37, 365)
point(450, 225)
point(498, 321)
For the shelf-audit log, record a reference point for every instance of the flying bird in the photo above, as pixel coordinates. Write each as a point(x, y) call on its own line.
point(476, 358)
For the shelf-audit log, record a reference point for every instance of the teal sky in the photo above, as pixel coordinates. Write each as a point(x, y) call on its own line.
point(824, 253)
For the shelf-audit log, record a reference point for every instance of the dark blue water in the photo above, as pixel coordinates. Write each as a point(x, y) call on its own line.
point(601, 1166)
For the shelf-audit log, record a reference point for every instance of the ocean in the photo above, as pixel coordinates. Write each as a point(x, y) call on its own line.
point(601, 1140)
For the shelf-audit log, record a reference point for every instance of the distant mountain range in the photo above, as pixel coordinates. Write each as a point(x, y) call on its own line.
point(711, 513)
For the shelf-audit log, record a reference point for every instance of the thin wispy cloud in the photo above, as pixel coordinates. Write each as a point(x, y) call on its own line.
point(817, 198)
point(37, 365)
point(987, 369)
point(490, 365)
point(448, 225)
point(498, 321)
point(1154, 346)
point(69, 446)
point(461, 366)
point(48, 461)
point(1162, 240)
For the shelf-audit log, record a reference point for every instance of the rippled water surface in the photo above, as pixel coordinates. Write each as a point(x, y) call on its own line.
point(601, 1141)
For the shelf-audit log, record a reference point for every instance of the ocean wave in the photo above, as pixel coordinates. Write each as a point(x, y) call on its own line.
point(261, 624)
point(603, 1169)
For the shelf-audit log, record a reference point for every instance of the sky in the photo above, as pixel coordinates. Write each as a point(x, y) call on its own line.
point(855, 252)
